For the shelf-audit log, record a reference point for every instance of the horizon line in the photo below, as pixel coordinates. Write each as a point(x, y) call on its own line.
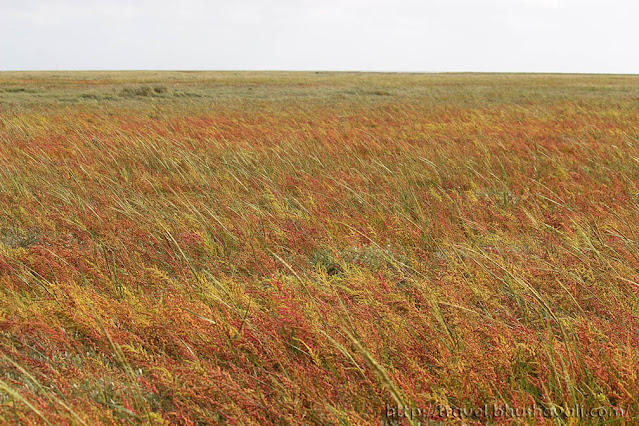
point(324, 71)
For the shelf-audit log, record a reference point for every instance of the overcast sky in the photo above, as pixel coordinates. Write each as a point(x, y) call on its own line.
point(401, 35)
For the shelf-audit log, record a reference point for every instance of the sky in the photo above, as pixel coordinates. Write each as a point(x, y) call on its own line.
point(580, 36)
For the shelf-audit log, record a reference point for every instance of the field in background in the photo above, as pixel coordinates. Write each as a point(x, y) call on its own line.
point(290, 248)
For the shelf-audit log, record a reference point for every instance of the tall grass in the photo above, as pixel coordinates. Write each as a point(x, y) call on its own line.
point(316, 248)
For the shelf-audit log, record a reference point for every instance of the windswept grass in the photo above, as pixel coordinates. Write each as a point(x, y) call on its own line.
point(302, 248)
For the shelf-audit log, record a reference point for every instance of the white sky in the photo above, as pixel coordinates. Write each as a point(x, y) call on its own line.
point(370, 35)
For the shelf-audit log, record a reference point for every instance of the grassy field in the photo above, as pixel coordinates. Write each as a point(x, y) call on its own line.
point(318, 248)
